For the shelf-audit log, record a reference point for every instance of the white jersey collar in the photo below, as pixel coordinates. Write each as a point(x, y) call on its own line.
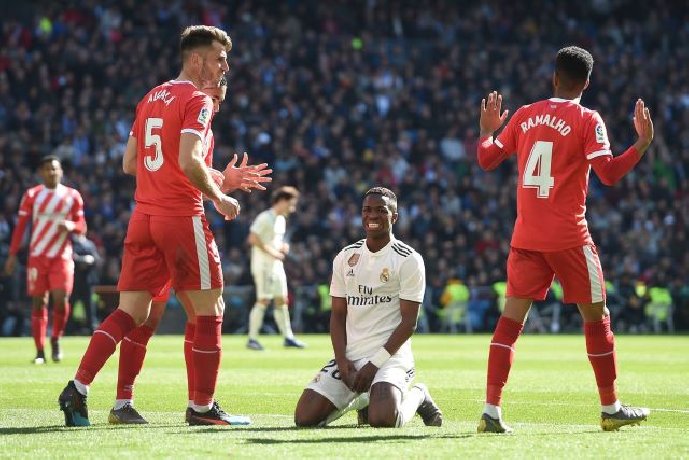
point(557, 99)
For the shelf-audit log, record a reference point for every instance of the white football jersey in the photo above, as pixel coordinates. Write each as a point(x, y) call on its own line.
point(270, 228)
point(373, 284)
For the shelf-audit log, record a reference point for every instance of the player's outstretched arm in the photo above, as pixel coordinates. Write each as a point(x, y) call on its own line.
point(643, 126)
point(610, 170)
point(244, 176)
point(492, 115)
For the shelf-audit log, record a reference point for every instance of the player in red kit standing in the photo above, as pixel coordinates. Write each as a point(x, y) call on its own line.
point(168, 134)
point(55, 211)
point(557, 142)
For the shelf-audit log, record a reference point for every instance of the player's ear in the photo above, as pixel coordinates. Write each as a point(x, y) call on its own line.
point(586, 85)
point(394, 217)
point(556, 80)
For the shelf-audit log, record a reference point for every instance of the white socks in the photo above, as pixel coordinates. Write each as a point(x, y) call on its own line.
point(612, 408)
point(201, 409)
point(256, 320)
point(493, 411)
point(120, 403)
point(412, 400)
point(357, 403)
point(81, 388)
point(281, 314)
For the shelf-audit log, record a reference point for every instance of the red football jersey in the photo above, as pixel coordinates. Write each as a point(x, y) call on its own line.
point(167, 111)
point(555, 141)
point(46, 208)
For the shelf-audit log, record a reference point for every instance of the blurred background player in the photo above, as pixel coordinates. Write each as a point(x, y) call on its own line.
point(134, 345)
point(168, 134)
point(55, 211)
point(268, 252)
point(377, 288)
point(557, 142)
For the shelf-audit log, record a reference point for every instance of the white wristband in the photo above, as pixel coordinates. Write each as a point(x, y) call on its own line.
point(380, 357)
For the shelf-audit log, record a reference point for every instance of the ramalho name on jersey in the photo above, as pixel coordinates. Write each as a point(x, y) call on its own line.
point(162, 116)
point(373, 284)
point(555, 141)
point(48, 207)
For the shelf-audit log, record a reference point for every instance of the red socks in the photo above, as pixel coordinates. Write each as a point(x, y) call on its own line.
point(206, 358)
point(39, 326)
point(60, 320)
point(189, 333)
point(132, 355)
point(600, 346)
point(500, 357)
point(103, 343)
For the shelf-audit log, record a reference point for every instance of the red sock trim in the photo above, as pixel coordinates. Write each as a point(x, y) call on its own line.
point(600, 346)
point(39, 327)
point(500, 358)
point(189, 333)
point(60, 319)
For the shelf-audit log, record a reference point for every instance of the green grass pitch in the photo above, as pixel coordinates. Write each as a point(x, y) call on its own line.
point(551, 401)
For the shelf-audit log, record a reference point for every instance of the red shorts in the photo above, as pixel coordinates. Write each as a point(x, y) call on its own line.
point(179, 250)
point(49, 273)
point(530, 274)
point(164, 295)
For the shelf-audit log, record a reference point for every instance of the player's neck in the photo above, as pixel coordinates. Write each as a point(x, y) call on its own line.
point(183, 76)
point(568, 95)
point(375, 243)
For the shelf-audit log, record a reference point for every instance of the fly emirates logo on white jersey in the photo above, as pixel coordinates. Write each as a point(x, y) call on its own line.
point(367, 298)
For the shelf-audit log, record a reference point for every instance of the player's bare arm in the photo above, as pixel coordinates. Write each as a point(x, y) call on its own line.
point(129, 157)
point(10, 264)
point(338, 337)
point(255, 240)
point(244, 176)
point(610, 170)
point(410, 312)
point(643, 126)
point(492, 115)
point(192, 164)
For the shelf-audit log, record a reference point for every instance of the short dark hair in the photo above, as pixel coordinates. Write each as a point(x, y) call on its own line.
point(386, 192)
point(573, 65)
point(284, 193)
point(48, 159)
point(200, 36)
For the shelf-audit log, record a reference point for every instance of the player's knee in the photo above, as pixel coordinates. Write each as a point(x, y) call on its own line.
point(378, 419)
point(305, 420)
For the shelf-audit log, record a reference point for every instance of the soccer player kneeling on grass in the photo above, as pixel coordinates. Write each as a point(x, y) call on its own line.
point(377, 287)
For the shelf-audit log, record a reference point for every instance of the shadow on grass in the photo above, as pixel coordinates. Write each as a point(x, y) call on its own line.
point(66, 429)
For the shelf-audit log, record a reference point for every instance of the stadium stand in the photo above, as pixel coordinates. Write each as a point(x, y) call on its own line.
point(338, 96)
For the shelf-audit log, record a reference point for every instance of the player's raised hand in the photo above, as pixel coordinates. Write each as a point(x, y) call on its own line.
point(244, 176)
point(643, 125)
point(228, 207)
point(492, 116)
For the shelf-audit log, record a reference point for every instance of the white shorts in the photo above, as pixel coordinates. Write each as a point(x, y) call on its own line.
point(398, 371)
point(271, 283)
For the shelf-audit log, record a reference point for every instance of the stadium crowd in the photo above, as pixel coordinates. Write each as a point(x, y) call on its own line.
point(339, 96)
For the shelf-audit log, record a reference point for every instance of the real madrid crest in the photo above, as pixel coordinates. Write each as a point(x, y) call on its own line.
point(385, 275)
point(352, 261)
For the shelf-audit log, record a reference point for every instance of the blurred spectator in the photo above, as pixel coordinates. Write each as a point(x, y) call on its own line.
point(339, 97)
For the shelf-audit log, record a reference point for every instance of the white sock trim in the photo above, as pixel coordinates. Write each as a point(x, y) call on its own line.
point(81, 388)
point(103, 332)
point(120, 403)
point(612, 408)
point(493, 411)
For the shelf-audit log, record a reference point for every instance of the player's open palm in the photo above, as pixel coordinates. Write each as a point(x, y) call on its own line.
point(492, 115)
point(643, 125)
point(228, 207)
point(244, 176)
